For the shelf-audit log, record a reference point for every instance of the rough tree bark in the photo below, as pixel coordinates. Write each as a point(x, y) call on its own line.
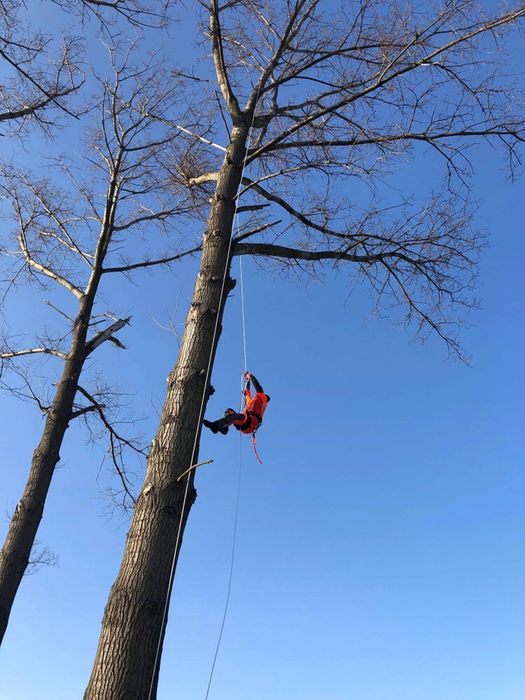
point(133, 614)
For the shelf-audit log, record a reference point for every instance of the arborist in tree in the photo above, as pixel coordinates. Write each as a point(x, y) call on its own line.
point(248, 421)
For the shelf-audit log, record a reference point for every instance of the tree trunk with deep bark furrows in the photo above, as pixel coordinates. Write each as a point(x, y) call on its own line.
point(132, 627)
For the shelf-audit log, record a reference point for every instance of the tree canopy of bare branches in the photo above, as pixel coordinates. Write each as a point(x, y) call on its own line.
point(317, 103)
point(70, 237)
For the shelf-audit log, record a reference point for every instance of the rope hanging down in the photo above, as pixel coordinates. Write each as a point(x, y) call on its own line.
point(243, 315)
point(244, 344)
point(230, 573)
point(197, 430)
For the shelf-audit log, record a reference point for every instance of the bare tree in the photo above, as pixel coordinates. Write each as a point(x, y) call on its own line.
point(333, 100)
point(70, 239)
point(39, 74)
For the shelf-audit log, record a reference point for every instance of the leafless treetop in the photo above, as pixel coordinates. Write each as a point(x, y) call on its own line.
point(39, 72)
point(339, 99)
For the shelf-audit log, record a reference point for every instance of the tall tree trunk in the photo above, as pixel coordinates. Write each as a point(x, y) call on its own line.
point(132, 626)
point(14, 556)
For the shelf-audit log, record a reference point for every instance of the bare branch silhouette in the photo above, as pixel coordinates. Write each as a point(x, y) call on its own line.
point(68, 240)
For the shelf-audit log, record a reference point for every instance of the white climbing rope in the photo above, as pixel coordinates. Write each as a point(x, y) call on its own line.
point(230, 575)
point(194, 448)
point(243, 315)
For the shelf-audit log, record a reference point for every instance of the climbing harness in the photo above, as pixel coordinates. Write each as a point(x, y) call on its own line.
point(252, 422)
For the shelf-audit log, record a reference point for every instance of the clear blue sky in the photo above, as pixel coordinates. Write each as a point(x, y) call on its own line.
point(380, 545)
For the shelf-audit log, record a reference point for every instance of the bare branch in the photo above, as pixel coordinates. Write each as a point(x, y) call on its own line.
point(201, 179)
point(59, 311)
point(39, 75)
point(153, 263)
point(40, 556)
point(271, 197)
point(46, 271)
point(253, 232)
point(33, 351)
point(115, 441)
point(38, 104)
point(153, 216)
point(107, 334)
point(517, 131)
point(139, 14)
point(220, 66)
point(271, 250)
point(251, 207)
point(296, 18)
point(184, 130)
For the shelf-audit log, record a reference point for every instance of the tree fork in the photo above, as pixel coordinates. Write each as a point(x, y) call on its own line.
point(132, 626)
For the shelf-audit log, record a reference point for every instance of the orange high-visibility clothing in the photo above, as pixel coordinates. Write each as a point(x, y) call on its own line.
point(253, 413)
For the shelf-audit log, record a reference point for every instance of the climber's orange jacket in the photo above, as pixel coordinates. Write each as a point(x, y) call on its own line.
point(254, 411)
